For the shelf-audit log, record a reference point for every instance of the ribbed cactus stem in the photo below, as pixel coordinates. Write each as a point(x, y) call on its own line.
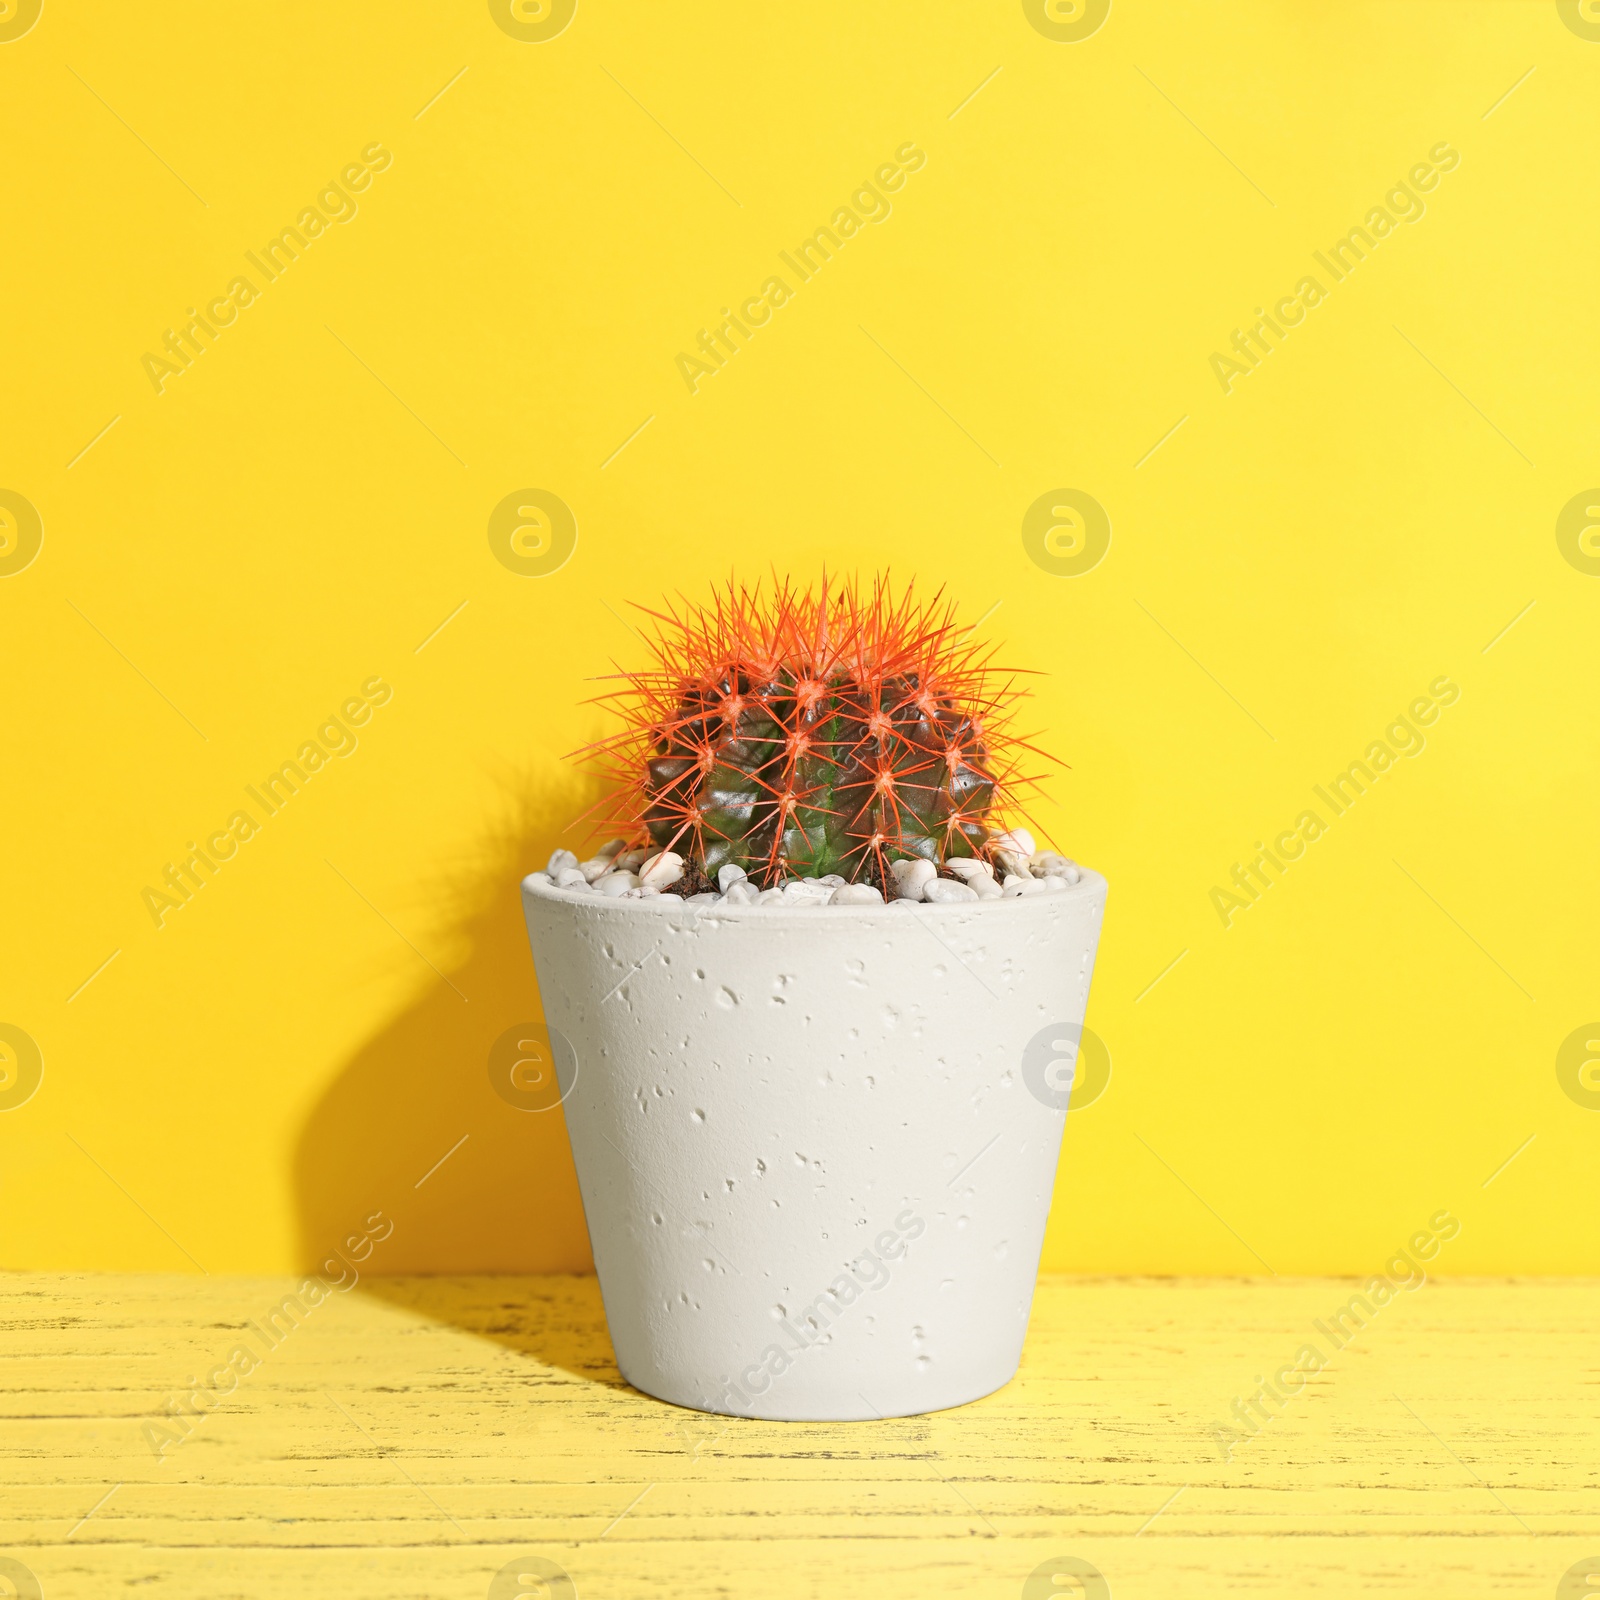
point(824, 732)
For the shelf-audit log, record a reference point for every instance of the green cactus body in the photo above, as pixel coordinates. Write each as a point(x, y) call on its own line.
point(831, 734)
point(715, 765)
point(915, 781)
point(813, 838)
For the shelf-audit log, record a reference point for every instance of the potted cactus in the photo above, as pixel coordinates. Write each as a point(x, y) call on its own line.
point(813, 1009)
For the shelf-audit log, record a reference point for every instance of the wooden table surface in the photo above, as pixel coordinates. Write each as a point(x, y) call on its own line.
point(421, 1436)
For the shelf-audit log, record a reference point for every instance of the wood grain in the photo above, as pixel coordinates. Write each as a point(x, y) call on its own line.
point(415, 1435)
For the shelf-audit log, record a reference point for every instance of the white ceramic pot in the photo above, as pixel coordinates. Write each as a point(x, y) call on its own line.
point(816, 1145)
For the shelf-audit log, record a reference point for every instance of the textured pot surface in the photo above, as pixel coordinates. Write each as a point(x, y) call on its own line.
point(816, 1146)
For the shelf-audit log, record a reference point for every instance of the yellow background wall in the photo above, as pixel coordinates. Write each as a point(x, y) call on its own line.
point(301, 509)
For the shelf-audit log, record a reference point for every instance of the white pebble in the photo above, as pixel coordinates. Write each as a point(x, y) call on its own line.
point(1017, 887)
point(946, 891)
point(797, 892)
point(771, 897)
point(570, 876)
point(559, 861)
point(969, 867)
point(728, 875)
point(1019, 840)
point(984, 886)
point(912, 877)
point(631, 860)
point(705, 898)
point(1014, 863)
point(855, 894)
point(1054, 884)
point(649, 894)
point(541, 877)
point(831, 881)
point(601, 861)
point(1049, 863)
point(741, 892)
point(617, 884)
point(661, 870)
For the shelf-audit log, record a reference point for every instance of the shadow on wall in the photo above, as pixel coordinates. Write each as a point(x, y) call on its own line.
point(412, 1126)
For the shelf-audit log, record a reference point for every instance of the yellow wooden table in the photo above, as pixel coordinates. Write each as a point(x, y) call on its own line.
point(471, 1437)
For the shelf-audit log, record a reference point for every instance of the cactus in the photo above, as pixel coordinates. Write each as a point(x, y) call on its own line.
point(833, 730)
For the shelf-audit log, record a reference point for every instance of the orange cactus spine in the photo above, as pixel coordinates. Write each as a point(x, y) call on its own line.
point(835, 729)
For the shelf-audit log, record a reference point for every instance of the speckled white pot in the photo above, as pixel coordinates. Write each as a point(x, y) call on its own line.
point(816, 1146)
